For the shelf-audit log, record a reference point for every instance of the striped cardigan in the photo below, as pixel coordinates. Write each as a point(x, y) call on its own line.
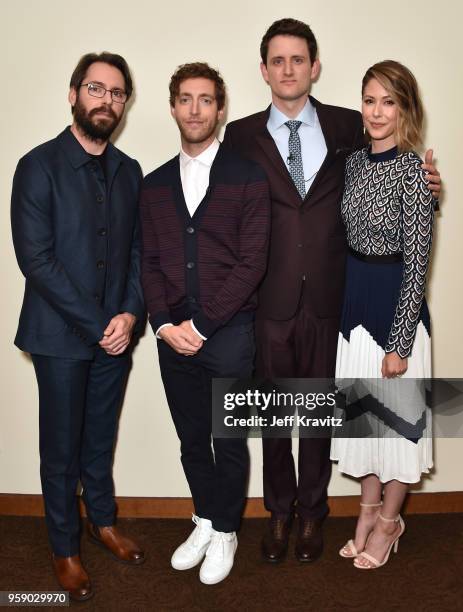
point(206, 267)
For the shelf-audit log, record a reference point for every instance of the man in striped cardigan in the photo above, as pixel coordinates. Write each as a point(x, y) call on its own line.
point(205, 224)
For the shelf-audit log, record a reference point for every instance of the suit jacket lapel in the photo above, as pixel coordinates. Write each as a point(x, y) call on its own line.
point(330, 140)
point(270, 150)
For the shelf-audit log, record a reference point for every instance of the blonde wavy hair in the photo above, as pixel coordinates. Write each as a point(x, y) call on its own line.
point(401, 85)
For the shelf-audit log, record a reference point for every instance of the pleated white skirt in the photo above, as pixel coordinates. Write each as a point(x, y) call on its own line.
point(394, 406)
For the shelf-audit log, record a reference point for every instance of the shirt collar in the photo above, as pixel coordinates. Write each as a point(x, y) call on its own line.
point(78, 156)
point(277, 118)
point(206, 157)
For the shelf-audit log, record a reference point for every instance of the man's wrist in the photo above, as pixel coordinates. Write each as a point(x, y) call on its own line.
point(130, 315)
point(130, 318)
point(196, 331)
point(158, 333)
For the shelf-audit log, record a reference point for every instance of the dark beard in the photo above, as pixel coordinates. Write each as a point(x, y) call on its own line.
point(95, 130)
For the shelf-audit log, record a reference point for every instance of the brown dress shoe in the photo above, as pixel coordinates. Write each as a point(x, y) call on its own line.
point(275, 541)
point(309, 543)
point(72, 577)
point(123, 549)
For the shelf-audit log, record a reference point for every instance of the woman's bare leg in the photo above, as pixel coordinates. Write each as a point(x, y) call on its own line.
point(385, 532)
point(371, 494)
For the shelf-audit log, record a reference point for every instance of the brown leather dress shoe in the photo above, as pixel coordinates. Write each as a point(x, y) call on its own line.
point(72, 577)
point(275, 541)
point(123, 549)
point(309, 543)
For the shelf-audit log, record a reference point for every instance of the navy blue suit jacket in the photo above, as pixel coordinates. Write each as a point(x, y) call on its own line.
point(77, 242)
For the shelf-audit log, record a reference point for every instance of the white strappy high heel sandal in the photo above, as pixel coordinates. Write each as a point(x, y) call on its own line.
point(394, 544)
point(349, 550)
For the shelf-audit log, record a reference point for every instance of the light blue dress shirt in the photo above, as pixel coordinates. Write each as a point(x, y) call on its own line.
point(313, 146)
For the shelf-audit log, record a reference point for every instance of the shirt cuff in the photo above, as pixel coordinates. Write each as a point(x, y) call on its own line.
point(160, 327)
point(196, 331)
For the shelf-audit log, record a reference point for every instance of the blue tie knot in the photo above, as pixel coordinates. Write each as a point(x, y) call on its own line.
point(293, 125)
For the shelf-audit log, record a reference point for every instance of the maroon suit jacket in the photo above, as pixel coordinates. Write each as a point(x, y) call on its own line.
point(308, 241)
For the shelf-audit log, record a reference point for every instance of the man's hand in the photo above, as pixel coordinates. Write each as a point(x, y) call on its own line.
point(393, 365)
point(187, 326)
point(181, 338)
point(433, 175)
point(118, 334)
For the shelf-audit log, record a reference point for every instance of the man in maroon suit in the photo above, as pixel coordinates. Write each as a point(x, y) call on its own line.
point(302, 145)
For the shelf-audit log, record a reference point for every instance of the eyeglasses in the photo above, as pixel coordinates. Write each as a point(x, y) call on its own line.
point(98, 91)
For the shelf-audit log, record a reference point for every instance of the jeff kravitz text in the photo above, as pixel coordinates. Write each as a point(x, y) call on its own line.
point(277, 400)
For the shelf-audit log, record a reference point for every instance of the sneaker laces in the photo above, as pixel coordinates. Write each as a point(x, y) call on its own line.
point(198, 531)
point(217, 545)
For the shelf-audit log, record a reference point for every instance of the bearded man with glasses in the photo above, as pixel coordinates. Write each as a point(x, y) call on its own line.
point(76, 236)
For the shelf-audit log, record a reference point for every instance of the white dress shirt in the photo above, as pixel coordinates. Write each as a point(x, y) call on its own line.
point(194, 173)
point(313, 146)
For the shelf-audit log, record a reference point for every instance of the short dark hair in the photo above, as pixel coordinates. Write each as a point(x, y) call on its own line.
point(197, 70)
point(289, 27)
point(107, 58)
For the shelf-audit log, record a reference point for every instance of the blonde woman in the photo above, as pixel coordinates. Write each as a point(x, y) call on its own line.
point(385, 331)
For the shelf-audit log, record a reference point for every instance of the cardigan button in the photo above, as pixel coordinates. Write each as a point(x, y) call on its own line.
point(190, 265)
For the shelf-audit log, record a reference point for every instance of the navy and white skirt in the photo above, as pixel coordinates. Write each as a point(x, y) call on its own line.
point(390, 415)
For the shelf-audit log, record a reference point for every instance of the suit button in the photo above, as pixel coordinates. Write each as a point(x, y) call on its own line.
point(190, 265)
point(99, 198)
point(100, 264)
point(299, 246)
point(97, 297)
point(102, 232)
point(190, 230)
point(192, 299)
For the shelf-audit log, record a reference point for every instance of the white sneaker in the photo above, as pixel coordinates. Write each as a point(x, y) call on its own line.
point(219, 557)
point(192, 551)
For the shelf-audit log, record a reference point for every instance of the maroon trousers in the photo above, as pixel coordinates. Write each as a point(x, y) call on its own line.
point(301, 347)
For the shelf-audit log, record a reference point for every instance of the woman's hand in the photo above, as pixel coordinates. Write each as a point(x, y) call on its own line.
point(393, 365)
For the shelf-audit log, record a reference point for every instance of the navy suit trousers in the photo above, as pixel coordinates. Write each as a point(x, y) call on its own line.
point(216, 468)
point(79, 402)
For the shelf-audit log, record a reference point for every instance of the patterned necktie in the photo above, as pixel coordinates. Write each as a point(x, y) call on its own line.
point(296, 168)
